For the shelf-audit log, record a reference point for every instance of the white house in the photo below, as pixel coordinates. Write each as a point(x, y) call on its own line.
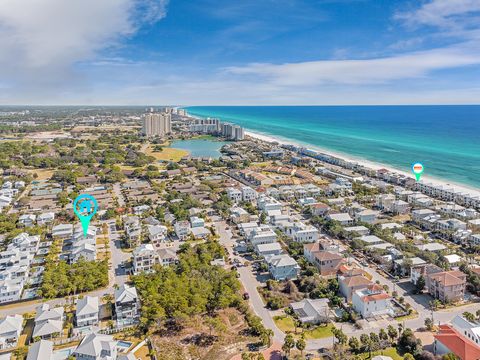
point(304, 233)
point(239, 215)
point(182, 229)
point(196, 222)
point(343, 218)
point(127, 305)
point(234, 194)
point(200, 232)
point(139, 210)
point(269, 205)
point(144, 258)
point(400, 207)
point(357, 230)
point(96, 346)
point(83, 249)
point(367, 216)
point(45, 218)
point(157, 233)
point(10, 330)
point(62, 231)
point(262, 235)
point(371, 240)
point(311, 311)
point(19, 184)
point(27, 220)
point(268, 249)
point(282, 267)
point(86, 313)
point(48, 321)
point(434, 247)
point(41, 350)
point(248, 194)
point(371, 301)
point(133, 230)
point(167, 257)
point(11, 290)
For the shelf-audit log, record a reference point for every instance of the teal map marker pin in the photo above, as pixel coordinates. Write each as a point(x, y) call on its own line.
point(85, 206)
point(417, 169)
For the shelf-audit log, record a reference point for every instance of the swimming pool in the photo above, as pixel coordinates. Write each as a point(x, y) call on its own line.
point(124, 345)
point(62, 354)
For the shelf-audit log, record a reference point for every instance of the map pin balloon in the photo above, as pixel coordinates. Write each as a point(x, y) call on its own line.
point(417, 169)
point(85, 206)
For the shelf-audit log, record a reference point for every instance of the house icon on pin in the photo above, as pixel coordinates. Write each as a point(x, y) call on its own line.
point(85, 207)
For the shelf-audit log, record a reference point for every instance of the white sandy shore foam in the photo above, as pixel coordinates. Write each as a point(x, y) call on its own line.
point(366, 163)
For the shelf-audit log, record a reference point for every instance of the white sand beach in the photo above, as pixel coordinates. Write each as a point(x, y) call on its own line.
point(366, 163)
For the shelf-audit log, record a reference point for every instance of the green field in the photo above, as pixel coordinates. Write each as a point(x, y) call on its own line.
point(286, 324)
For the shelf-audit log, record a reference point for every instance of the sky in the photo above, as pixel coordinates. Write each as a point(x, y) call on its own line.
point(231, 52)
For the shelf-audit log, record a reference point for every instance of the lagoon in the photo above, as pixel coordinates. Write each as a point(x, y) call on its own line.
point(200, 147)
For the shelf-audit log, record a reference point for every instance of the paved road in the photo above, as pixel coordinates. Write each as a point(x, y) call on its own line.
point(250, 283)
point(117, 190)
point(118, 256)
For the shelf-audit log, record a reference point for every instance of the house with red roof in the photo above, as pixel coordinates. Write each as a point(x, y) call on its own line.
point(372, 301)
point(449, 340)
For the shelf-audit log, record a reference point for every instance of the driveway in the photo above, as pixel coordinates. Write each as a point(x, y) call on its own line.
point(118, 256)
point(118, 193)
point(250, 283)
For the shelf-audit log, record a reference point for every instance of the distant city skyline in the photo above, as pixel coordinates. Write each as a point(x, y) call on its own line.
point(284, 52)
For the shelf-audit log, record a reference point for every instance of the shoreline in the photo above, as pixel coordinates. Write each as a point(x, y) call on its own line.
point(370, 164)
point(367, 163)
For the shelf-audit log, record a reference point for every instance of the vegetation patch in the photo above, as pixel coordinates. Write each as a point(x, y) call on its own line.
point(165, 153)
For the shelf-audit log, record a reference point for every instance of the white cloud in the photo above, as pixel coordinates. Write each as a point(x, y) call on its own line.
point(370, 71)
point(452, 14)
point(42, 39)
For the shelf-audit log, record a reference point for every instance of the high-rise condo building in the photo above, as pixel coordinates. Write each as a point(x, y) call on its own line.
point(157, 124)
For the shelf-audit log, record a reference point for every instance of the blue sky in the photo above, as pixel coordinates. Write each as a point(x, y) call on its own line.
point(240, 52)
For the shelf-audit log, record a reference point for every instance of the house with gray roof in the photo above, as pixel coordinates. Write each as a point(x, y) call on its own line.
point(311, 311)
point(10, 330)
point(127, 305)
point(86, 313)
point(96, 346)
point(41, 350)
point(282, 267)
point(48, 321)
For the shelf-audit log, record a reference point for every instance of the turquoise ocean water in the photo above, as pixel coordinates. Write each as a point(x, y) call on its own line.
point(446, 139)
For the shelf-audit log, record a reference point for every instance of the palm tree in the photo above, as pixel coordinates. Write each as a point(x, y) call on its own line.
point(270, 334)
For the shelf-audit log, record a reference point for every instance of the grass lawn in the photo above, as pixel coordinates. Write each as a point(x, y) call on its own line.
point(392, 352)
point(167, 154)
point(285, 323)
point(413, 315)
point(42, 174)
point(320, 332)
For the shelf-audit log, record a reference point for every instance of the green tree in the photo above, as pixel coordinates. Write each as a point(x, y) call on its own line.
point(383, 334)
point(366, 342)
point(301, 344)
point(408, 356)
point(429, 323)
point(450, 356)
point(266, 337)
point(354, 344)
point(288, 344)
point(21, 352)
point(340, 336)
point(469, 316)
point(420, 285)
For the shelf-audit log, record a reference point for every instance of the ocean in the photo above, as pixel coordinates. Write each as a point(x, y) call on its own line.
point(445, 139)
